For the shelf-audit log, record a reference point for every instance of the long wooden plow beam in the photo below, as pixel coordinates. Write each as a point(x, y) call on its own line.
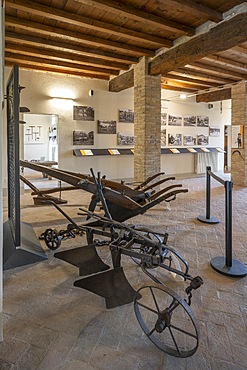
point(60, 175)
point(117, 186)
point(56, 190)
point(31, 186)
point(121, 206)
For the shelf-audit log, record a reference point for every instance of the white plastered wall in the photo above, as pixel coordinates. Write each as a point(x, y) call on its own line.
point(219, 116)
point(41, 87)
point(37, 96)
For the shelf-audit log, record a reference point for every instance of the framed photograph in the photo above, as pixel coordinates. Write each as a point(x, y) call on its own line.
point(107, 127)
point(163, 136)
point(163, 118)
point(126, 115)
point(237, 136)
point(83, 138)
point(174, 120)
point(125, 138)
point(189, 120)
point(202, 121)
point(34, 134)
point(214, 131)
point(83, 113)
point(175, 139)
point(190, 140)
point(202, 139)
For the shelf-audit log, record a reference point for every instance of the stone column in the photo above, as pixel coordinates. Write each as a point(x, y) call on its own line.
point(147, 126)
point(239, 117)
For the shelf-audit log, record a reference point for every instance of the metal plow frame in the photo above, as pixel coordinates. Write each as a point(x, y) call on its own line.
point(164, 317)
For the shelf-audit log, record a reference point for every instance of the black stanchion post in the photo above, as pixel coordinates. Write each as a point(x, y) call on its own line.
point(208, 192)
point(228, 223)
point(208, 219)
point(227, 265)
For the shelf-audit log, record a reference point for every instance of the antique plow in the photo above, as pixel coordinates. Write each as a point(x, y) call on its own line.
point(164, 316)
point(122, 201)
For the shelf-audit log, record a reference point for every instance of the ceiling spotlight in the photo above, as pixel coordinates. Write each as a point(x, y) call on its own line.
point(183, 96)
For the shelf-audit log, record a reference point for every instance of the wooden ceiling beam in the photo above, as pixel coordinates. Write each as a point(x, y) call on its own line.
point(131, 12)
point(186, 85)
point(79, 20)
point(124, 81)
point(75, 36)
point(216, 69)
point(213, 96)
point(176, 88)
point(198, 47)
point(226, 62)
point(195, 81)
point(239, 49)
point(73, 58)
point(197, 9)
point(60, 64)
point(60, 71)
point(223, 36)
point(64, 46)
point(207, 76)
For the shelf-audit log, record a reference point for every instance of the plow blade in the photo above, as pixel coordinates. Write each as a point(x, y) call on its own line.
point(86, 258)
point(111, 285)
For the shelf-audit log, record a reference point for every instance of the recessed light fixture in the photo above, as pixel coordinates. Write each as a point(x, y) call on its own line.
point(183, 96)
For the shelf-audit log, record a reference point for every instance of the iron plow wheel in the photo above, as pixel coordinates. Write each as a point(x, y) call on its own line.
point(52, 239)
point(167, 320)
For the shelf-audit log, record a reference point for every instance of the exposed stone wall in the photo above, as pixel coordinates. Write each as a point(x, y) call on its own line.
point(147, 126)
point(239, 117)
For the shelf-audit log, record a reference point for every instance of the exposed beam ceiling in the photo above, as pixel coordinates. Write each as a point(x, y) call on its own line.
point(223, 36)
point(140, 15)
point(192, 44)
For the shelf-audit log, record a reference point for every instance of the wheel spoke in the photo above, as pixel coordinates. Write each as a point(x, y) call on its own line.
point(184, 331)
point(156, 304)
point(151, 332)
point(173, 305)
point(148, 308)
point(174, 340)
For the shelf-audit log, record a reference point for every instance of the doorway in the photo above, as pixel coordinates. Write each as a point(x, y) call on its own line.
point(40, 137)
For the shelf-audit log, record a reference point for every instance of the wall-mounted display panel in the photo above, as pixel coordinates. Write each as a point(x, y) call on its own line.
point(202, 121)
point(174, 120)
point(190, 120)
point(83, 138)
point(125, 138)
point(175, 139)
point(83, 113)
point(126, 115)
point(106, 127)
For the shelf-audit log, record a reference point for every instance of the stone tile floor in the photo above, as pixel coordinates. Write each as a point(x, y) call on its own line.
point(49, 324)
